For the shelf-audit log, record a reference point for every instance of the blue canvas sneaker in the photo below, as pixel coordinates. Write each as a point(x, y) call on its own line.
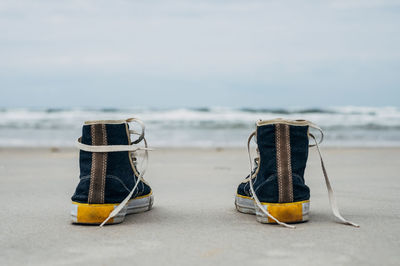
point(110, 185)
point(275, 190)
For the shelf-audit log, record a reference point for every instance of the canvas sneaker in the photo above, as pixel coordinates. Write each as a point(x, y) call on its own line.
point(275, 190)
point(110, 184)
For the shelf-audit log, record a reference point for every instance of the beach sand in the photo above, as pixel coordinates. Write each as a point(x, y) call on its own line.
point(194, 221)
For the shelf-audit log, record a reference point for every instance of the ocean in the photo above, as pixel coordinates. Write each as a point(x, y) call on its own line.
point(200, 127)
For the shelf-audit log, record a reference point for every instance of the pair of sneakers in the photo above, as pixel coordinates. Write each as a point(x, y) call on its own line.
point(111, 185)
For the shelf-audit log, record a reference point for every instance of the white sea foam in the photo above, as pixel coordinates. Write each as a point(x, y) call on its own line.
point(204, 127)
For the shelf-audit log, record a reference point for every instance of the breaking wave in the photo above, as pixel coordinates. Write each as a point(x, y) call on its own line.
point(200, 127)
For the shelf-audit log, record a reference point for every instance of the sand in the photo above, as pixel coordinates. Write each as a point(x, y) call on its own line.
point(194, 221)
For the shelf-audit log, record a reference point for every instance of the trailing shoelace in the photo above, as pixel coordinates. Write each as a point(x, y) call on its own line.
point(332, 199)
point(132, 150)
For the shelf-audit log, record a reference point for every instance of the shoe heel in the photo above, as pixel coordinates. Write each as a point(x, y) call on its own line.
point(83, 213)
point(292, 212)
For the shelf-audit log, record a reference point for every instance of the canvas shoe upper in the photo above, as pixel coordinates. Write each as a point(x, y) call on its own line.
point(109, 179)
point(275, 190)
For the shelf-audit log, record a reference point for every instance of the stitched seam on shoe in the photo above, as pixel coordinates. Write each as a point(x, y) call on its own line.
point(289, 162)
point(278, 159)
point(264, 182)
point(99, 166)
point(283, 161)
point(104, 166)
point(110, 177)
point(119, 180)
point(90, 195)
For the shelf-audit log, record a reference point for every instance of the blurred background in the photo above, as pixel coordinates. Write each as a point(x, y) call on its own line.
point(199, 73)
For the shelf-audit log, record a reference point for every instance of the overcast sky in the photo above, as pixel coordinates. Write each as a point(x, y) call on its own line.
point(199, 53)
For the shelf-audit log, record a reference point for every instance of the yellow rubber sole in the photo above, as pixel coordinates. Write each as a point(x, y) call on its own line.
point(94, 213)
point(83, 213)
point(292, 212)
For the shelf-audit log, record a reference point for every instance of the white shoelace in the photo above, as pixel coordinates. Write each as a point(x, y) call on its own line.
point(332, 199)
point(253, 193)
point(118, 148)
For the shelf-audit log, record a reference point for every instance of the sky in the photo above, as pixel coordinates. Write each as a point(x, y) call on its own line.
point(242, 53)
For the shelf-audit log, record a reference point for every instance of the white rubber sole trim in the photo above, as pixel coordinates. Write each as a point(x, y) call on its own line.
point(245, 205)
point(140, 205)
